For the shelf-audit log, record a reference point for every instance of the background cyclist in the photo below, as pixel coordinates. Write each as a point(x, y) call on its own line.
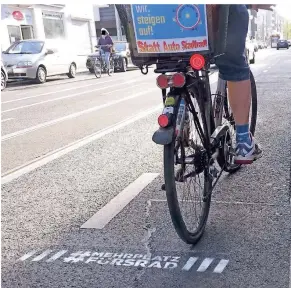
point(105, 42)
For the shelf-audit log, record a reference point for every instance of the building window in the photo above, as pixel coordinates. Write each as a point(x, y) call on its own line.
point(14, 33)
point(53, 25)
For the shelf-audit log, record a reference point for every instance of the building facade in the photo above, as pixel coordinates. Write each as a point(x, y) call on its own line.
point(71, 23)
point(106, 16)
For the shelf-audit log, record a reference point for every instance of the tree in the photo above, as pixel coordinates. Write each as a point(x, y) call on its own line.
point(287, 30)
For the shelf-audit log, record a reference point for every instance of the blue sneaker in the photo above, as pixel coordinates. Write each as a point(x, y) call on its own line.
point(247, 154)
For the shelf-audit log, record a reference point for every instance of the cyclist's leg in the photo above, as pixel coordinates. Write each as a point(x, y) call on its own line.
point(107, 60)
point(234, 68)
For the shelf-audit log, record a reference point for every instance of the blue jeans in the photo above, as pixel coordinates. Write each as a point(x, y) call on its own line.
point(233, 65)
point(107, 59)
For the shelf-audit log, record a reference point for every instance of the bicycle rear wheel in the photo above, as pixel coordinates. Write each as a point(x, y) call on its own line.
point(188, 182)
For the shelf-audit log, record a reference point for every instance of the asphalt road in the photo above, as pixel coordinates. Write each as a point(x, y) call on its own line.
point(73, 148)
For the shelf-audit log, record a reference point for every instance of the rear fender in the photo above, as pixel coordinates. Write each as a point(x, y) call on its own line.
point(165, 136)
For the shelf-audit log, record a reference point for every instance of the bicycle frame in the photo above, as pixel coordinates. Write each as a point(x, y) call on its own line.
point(210, 131)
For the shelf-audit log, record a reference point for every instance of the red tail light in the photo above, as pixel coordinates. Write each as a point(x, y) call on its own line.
point(163, 81)
point(197, 61)
point(178, 80)
point(163, 120)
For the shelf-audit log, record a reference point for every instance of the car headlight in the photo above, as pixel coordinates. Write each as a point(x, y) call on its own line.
point(24, 64)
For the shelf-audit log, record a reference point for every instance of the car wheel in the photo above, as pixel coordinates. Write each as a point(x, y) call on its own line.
point(3, 80)
point(91, 70)
point(72, 71)
point(253, 60)
point(40, 75)
point(123, 65)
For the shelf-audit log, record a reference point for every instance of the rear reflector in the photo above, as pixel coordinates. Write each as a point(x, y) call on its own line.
point(197, 61)
point(162, 81)
point(163, 120)
point(178, 80)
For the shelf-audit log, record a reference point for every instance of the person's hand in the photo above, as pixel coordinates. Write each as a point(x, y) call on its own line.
point(263, 6)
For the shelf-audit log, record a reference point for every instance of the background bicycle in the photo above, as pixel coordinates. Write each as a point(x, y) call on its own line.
point(100, 65)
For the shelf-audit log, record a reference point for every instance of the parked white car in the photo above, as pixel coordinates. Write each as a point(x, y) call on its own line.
point(4, 76)
point(36, 59)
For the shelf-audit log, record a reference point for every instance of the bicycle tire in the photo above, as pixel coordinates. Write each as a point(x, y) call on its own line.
point(232, 168)
point(97, 69)
point(254, 107)
point(111, 67)
point(189, 237)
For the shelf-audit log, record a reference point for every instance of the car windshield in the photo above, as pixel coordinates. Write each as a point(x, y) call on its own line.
point(25, 47)
point(119, 47)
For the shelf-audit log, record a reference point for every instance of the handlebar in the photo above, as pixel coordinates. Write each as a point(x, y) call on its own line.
point(108, 45)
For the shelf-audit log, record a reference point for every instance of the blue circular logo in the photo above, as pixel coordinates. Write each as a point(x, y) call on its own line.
point(187, 16)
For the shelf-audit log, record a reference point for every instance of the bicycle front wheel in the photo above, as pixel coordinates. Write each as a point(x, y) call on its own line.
point(111, 67)
point(188, 182)
point(97, 68)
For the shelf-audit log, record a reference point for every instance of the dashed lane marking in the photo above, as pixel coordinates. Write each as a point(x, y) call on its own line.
point(63, 90)
point(100, 219)
point(73, 115)
point(5, 120)
point(34, 164)
point(64, 97)
point(105, 258)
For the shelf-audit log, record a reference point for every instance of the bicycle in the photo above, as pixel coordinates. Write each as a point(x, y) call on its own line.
point(197, 131)
point(100, 64)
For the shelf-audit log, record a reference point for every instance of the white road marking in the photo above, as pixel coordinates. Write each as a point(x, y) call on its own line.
point(5, 120)
point(53, 92)
point(119, 202)
point(191, 261)
point(125, 88)
point(34, 164)
point(64, 97)
point(221, 266)
point(57, 255)
point(129, 259)
point(71, 116)
point(42, 255)
point(27, 255)
point(265, 71)
point(205, 264)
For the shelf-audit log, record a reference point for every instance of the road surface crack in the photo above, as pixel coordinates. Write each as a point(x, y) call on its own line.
point(146, 241)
